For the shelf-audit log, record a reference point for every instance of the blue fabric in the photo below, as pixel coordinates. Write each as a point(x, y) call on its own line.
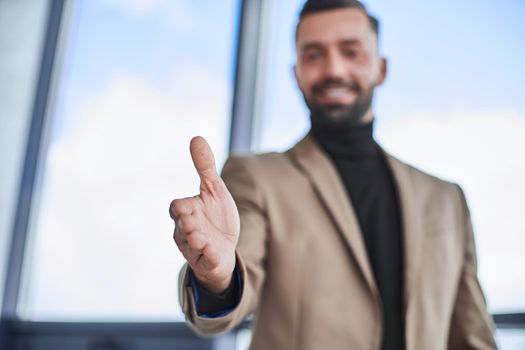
point(193, 284)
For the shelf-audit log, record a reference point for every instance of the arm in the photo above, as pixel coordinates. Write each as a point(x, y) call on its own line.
point(471, 325)
point(250, 253)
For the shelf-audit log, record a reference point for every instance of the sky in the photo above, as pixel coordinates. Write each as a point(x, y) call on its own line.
point(140, 77)
point(443, 57)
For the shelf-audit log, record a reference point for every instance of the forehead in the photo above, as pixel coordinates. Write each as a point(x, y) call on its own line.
point(332, 26)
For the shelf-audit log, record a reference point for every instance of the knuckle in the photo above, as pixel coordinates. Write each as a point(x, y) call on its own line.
point(216, 185)
point(179, 224)
point(179, 237)
point(185, 223)
point(179, 207)
point(195, 240)
point(172, 209)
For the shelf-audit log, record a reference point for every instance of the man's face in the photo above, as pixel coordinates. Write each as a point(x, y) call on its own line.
point(338, 65)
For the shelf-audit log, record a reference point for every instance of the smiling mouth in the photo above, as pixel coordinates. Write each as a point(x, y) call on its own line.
point(335, 93)
point(340, 95)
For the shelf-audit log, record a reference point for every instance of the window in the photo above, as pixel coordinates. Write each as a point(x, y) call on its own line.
point(133, 89)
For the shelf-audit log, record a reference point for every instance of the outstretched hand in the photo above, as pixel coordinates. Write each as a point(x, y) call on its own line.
point(207, 225)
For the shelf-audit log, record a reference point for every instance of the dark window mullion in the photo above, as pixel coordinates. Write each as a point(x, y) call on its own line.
point(34, 141)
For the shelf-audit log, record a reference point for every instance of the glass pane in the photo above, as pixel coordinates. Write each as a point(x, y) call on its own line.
point(511, 339)
point(452, 105)
point(22, 25)
point(140, 78)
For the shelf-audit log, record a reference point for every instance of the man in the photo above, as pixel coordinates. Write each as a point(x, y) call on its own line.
point(333, 244)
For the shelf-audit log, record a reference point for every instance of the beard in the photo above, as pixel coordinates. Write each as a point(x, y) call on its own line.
point(336, 116)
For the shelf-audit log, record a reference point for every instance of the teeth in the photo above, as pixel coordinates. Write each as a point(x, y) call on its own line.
point(335, 92)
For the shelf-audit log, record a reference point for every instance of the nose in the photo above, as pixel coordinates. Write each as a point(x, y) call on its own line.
point(335, 66)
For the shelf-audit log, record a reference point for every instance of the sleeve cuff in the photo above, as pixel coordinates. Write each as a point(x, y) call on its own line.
point(216, 305)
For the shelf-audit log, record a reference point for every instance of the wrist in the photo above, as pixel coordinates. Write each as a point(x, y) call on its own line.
point(214, 286)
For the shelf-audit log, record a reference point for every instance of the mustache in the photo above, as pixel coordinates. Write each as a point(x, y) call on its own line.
point(337, 83)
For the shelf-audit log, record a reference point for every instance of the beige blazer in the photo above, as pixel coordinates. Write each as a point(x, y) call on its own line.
point(305, 270)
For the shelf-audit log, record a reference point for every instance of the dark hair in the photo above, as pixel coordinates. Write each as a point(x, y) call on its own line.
point(313, 6)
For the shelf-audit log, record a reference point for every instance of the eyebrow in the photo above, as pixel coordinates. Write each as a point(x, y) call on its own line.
point(350, 42)
point(311, 46)
point(317, 45)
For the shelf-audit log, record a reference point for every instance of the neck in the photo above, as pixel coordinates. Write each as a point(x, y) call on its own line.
point(346, 140)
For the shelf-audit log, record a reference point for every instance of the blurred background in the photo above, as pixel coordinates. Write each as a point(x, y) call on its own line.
point(100, 98)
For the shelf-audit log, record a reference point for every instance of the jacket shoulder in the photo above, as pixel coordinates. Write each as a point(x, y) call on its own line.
point(435, 194)
point(421, 176)
point(261, 168)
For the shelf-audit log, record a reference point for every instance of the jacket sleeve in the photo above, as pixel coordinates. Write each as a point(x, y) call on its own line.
point(238, 174)
point(215, 305)
point(471, 326)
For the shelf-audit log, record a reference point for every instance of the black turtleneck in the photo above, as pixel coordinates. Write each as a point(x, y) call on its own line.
point(371, 190)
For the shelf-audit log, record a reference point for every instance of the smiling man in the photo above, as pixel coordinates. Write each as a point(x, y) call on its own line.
point(333, 244)
point(338, 64)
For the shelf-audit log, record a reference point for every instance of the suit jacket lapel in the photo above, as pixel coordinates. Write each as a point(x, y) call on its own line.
point(326, 181)
point(411, 219)
point(332, 193)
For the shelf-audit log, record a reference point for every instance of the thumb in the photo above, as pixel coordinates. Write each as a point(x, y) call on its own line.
point(203, 160)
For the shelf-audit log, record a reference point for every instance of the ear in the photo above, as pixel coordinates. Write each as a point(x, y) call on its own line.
point(383, 70)
point(296, 75)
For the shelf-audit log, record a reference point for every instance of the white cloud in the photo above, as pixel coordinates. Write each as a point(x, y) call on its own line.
point(137, 7)
point(173, 14)
point(104, 246)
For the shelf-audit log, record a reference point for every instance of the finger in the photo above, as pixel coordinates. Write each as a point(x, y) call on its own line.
point(181, 206)
point(197, 241)
point(204, 162)
point(179, 237)
point(188, 223)
point(188, 252)
point(211, 256)
point(191, 255)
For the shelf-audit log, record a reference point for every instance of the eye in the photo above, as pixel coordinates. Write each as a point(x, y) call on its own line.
point(312, 56)
point(350, 53)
